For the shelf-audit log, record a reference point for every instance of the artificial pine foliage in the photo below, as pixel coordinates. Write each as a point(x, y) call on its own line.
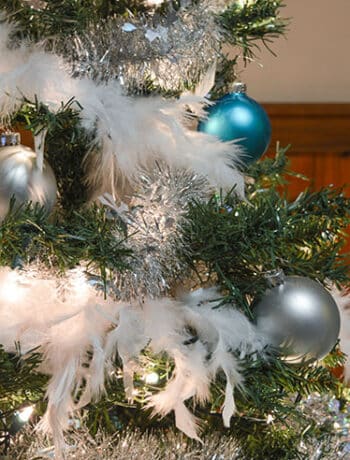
point(135, 229)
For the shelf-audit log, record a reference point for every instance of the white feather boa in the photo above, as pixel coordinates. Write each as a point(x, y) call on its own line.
point(130, 132)
point(342, 299)
point(67, 319)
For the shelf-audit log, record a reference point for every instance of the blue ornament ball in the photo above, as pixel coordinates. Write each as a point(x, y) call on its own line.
point(238, 117)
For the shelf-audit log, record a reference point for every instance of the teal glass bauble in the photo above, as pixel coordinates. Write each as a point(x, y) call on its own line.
point(238, 117)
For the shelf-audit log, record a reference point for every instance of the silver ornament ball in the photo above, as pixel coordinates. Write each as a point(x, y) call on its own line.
point(21, 178)
point(300, 317)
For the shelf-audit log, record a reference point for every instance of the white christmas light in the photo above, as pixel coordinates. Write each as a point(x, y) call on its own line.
point(154, 2)
point(24, 414)
point(152, 378)
point(243, 3)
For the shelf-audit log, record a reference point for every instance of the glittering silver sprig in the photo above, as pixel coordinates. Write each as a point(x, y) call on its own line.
point(170, 52)
point(173, 444)
point(153, 221)
point(127, 445)
point(326, 410)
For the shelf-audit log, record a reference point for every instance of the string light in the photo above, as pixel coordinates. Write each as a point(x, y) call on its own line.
point(154, 2)
point(243, 3)
point(24, 414)
point(20, 418)
point(152, 378)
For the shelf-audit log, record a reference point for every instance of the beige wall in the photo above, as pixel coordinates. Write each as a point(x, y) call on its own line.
point(313, 62)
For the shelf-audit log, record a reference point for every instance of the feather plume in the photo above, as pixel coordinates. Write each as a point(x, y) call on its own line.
point(69, 321)
point(128, 338)
point(130, 132)
point(220, 330)
point(60, 317)
point(342, 299)
point(223, 329)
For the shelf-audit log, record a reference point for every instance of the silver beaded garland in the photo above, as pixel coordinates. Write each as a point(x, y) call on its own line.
point(21, 178)
point(301, 317)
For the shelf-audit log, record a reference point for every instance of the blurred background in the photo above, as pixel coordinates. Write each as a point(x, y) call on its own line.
point(306, 91)
point(313, 61)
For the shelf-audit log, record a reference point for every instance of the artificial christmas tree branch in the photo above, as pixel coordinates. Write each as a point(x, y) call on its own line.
point(139, 294)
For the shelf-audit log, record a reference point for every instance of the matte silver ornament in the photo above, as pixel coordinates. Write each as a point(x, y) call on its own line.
point(21, 178)
point(301, 317)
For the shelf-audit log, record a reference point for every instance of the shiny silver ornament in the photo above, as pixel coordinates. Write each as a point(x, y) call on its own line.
point(301, 317)
point(21, 178)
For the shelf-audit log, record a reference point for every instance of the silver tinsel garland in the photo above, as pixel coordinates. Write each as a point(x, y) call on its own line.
point(170, 52)
point(175, 446)
point(153, 220)
point(131, 445)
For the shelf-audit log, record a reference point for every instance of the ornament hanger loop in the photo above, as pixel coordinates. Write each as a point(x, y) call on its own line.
point(239, 87)
point(275, 277)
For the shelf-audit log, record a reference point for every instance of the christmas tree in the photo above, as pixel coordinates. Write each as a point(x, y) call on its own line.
point(155, 278)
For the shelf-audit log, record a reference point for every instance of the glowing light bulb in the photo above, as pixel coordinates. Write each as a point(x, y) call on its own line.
point(243, 3)
point(24, 414)
point(152, 378)
point(154, 2)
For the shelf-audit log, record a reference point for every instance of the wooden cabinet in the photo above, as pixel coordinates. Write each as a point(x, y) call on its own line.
point(319, 138)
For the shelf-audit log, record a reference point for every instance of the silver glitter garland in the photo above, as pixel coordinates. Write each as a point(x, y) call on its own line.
point(170, 52)
point(124, 446)
point(326, 410)
point(154, 220)
point(174, 445)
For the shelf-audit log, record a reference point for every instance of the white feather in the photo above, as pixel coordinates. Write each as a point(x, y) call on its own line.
point(64, 320)
point(223, 329)
point(164, 323)
point(229, 406)
point(342, 299)
point(130, 132)
point(67, 319)
point(220, 330)
point(128, 338)
point(166, 327)
point(186, 422)
point(185, 384)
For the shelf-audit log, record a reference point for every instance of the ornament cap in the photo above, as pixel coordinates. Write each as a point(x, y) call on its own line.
point(9, 138)
point(239, 87)
point(275, 277)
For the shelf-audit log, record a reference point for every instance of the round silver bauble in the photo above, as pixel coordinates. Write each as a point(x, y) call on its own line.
point(300, 317)
point(21, 178)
